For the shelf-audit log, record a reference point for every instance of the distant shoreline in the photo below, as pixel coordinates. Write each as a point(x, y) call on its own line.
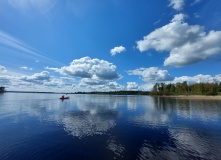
point(101, 93)
point(32, 92)
point(217, 97)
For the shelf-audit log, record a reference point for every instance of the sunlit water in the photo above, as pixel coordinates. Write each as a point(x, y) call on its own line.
point(41, 126)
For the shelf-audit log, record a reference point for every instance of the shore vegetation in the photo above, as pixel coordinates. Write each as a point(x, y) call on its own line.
point(187, 89)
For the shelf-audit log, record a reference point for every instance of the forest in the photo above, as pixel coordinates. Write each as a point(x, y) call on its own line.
point(117, 93)
point(187, 89)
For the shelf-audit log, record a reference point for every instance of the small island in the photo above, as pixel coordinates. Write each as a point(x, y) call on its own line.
point(2, 89)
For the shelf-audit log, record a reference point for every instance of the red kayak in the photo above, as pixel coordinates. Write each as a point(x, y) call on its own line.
point(64, 98)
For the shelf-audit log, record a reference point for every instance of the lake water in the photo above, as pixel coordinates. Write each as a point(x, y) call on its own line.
point(41, 126)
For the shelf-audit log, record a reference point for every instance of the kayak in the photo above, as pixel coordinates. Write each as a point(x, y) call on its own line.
point(64, 98)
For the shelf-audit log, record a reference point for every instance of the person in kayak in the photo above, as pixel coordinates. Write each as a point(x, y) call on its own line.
point(62, 97)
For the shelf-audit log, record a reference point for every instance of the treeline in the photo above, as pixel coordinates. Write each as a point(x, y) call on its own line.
point(118, 93)
point(187, 89)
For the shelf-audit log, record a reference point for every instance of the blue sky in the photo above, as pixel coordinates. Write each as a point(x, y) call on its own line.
point(85, 45)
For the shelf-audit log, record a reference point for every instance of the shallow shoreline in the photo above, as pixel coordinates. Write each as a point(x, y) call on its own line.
point(218, 97)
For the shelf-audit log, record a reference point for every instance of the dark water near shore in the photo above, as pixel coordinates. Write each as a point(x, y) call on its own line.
point(41, 126)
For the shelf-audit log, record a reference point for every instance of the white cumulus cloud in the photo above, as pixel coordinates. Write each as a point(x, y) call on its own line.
point(94, 80)
point(132, 86)
point(177, 4)
point(187, 44)
point(42, 81)
point(93, 85)
point(90, 68)
point(152, 74)
point(37, 77)
point(4, 81)
point(94, 74)
point(116, 50)
point(200, 78)
point(114, 86)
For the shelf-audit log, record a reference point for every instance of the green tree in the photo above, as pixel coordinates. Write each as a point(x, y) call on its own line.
point(172, 89)
point(184, 87)
point(219, 88)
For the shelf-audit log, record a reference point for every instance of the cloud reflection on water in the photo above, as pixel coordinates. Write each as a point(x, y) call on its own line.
point(150, 151)
point(149, 116)
point(94, 116)
point(193, 143)
point(116, 148)
point(83, 123)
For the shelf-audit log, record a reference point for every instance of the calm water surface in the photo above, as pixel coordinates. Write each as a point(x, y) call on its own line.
point(41, 126)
